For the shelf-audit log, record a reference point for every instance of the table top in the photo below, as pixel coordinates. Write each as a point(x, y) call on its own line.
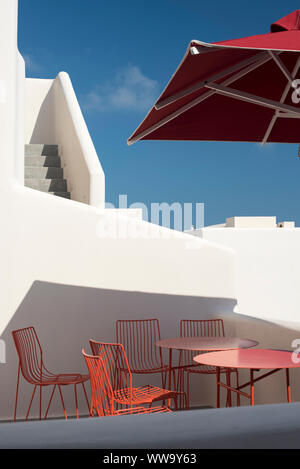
point(250, 359)
point(206, 343)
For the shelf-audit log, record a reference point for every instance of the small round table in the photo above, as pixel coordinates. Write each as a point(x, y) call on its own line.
point(254, 360)
point(202, 344)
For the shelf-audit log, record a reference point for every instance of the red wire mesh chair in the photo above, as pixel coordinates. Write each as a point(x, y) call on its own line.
point(199, 328)
point(139, 338)
point(103, 401)
point(31, 365)
point(118, 370)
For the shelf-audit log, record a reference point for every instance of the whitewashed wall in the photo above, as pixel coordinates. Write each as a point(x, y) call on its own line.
point(267, 286)
point(61, 274)
point(39, 111)
point(53, 116)
point(73, 285)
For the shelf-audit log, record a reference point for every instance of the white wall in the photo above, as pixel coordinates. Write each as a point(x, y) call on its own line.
point(53, 116)
point(268, 270)
point(73, 285)
point(39, 111)
point(60, 272)
point(10, 61)
point(267, 286)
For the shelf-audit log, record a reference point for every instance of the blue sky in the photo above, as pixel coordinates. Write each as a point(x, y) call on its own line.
point(120, 55)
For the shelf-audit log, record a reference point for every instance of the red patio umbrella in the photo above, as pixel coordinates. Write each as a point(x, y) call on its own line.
point(238, 90)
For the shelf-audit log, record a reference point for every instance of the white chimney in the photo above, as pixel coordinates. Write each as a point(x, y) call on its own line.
point(251, 222)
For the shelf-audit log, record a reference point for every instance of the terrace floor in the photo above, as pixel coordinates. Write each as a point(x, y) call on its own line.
point(267, 426)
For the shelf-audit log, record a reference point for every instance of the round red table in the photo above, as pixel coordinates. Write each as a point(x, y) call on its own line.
point(254, 360)
point(203, 344)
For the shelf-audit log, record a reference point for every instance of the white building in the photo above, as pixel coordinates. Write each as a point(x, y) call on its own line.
point(64, 270)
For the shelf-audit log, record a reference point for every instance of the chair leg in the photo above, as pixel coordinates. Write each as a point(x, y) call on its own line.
point(177, 386)
point(91, 409)
point(17, 392)
point(180, 388)
point(54, 387)
point(186, 401)
point(40, 412)
point(33, 393)
point(62, 401)
point(175, 403)
point(174, 387)
point(188, 389)
point(163, 383)
point(86, 398)
point(178, 381)
point(163, 379)
point(76, 400)
point(174, 379)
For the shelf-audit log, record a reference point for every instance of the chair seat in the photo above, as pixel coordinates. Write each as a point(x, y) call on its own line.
point(142, 410)
point(143, 395)
point(158, 369)
point(206, 369)
point(72, 378)
point(63, 379)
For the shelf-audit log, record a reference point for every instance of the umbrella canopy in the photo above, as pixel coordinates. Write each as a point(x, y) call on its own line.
point(238, 90)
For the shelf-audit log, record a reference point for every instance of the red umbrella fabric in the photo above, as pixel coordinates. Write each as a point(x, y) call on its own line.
point(238, 90)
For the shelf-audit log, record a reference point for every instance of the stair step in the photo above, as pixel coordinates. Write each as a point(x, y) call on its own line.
point(43, 173)
point(41, 150)
point(43, 161)
point(66, 195)
point(47, 185)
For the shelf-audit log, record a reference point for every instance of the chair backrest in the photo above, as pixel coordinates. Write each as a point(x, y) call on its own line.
point(199, 328)
point(30, 354)
point(102, 393)
point(117, 367)
point(138, 338)
point(202, 328)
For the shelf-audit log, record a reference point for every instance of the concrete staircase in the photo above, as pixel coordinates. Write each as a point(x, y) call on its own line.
point(43, 170)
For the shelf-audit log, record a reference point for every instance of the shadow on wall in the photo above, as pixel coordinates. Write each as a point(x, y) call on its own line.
point(43, 131)
point(66, 317)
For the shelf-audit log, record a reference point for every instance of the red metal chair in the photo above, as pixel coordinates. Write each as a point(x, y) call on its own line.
point(199, 328)
point(138, 338)
point(34, 371)
point(118, 370)
point(103, 400)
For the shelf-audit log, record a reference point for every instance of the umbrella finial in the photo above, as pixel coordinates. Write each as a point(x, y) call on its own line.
point(287, 23)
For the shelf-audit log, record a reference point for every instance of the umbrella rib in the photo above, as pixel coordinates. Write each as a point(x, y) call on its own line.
point(287, 115)
point(281, 65)
point(252, 98)
point(199, 84)
point(198, 100)
point(283, 97)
